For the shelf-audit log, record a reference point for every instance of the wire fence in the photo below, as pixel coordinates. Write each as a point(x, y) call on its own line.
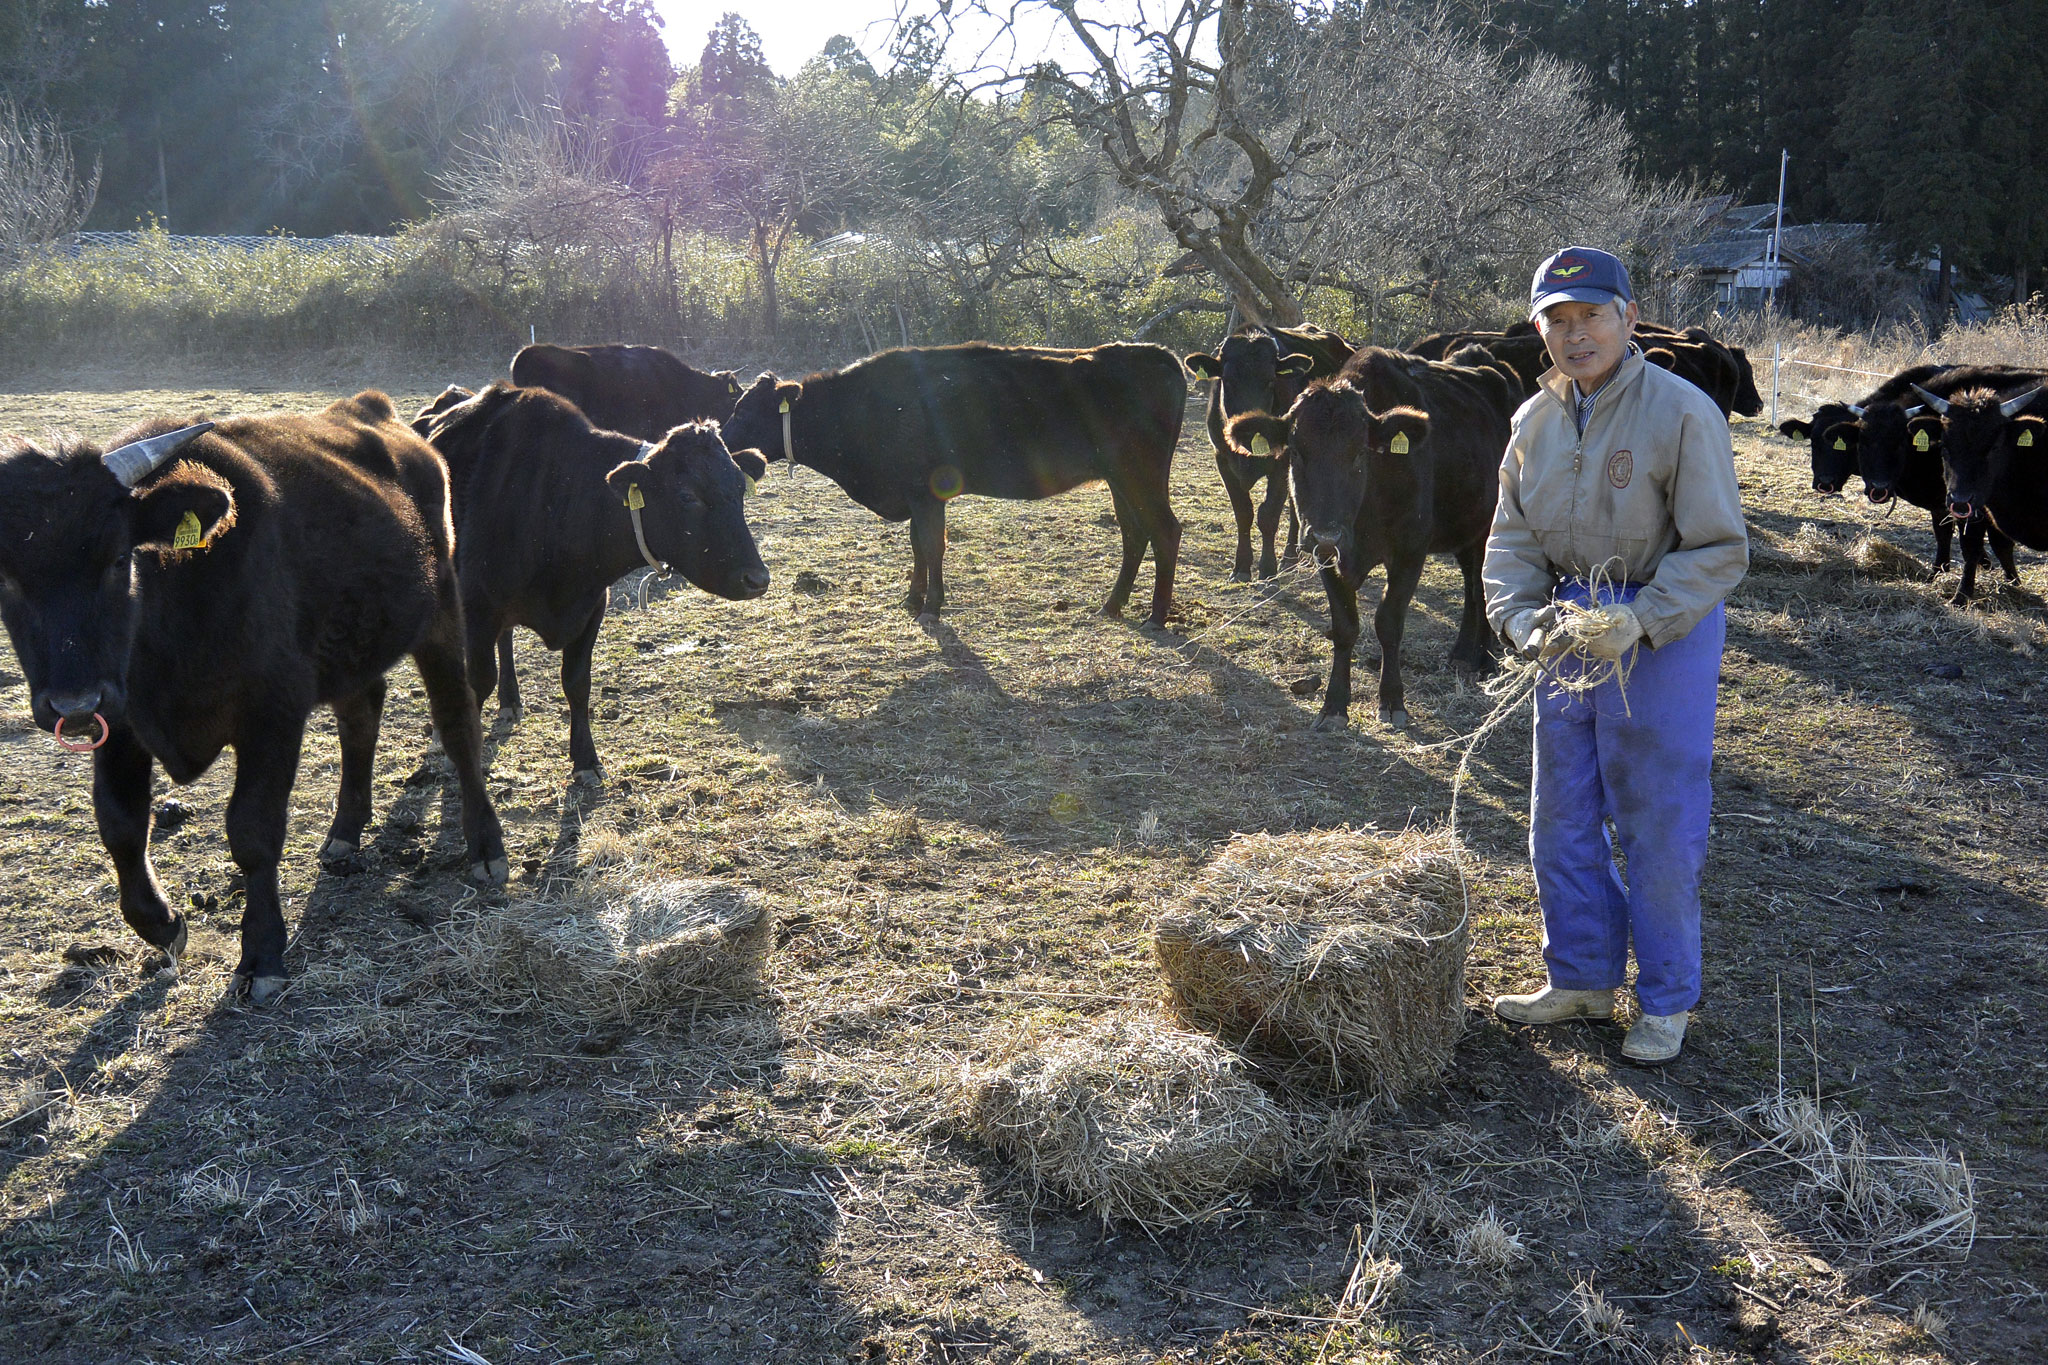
point(78, 243)
point(1779, 362)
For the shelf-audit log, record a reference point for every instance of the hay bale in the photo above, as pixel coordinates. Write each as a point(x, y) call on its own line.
point(1133, 1118)
point(1879, 558)
point(620, 952)
point(1337, 957)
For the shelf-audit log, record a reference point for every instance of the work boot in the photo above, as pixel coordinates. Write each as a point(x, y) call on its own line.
point(1553, 1005)
point(1655, 1037)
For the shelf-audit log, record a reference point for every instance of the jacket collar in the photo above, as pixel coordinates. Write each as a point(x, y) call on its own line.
point(1560, 387)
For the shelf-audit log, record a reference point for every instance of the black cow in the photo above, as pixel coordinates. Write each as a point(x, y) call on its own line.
point(1992, 448)
point(1395, 459)
point(1719, 370)
point(1262, 370)
point(642, 391)
point(550, 511)
point(1879, 438)
point(208, 588)
point(906, 430)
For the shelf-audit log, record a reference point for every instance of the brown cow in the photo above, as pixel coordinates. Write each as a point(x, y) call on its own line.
point(195, 590)
point(643, 391)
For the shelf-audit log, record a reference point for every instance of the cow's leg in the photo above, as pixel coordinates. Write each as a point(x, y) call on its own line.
point(2001, 545)
point(480, 648)
point(1474, 649)
point(928, 549)
point(1269, 518)
point(509, 708)
point(358, 718)
point(1973, 555)
point(120, 805)
point(1343, 595)
point(1235, 487)
point(576, 687)
point(1388, 623)
point(1943, 529)
point(266, 764)
point(439, 658)
point(1145, 516)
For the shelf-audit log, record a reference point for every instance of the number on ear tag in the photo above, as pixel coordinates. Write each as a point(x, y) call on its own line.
point(634, 499)
point(1399, 445)
point(1920, 441)
point(785, 406)
point(1841, 444)
point(188, 534)
point(1260, 446)
point(2026, 439)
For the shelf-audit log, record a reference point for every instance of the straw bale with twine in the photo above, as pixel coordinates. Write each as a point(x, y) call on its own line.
point(1133, 1118)
point(620, 952)
point(1335, 957)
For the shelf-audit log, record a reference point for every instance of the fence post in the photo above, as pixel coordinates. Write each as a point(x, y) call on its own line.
point(1775, 362)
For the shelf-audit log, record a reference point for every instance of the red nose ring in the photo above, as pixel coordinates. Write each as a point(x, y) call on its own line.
point(82, 746)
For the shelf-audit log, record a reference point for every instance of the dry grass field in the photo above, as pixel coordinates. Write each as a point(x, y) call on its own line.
point(966, 832)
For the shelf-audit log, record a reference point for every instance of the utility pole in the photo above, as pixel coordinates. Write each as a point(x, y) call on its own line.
point(1777, 231)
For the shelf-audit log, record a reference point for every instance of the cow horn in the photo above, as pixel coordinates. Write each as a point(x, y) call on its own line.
point(137, 460)
point(2011, 406)
point(647, 449)
point(1853, 408)
point(1916, 410)
point(1940, 405)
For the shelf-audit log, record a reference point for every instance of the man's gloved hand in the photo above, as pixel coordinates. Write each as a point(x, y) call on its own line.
point(1622, 634)
point(1529, 629)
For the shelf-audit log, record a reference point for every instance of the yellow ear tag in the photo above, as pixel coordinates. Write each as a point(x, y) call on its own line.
point(1840, 444)
point(1919, 440)
point(634, 499)
point(785, 406)
point(1260, 446)
point(2026, 439)
point(188, 534)
point(1399, 445)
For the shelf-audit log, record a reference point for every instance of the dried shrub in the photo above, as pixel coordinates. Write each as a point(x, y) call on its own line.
point(1337, 955)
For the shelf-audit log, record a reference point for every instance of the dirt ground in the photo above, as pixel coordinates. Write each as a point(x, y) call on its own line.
point(964, 829)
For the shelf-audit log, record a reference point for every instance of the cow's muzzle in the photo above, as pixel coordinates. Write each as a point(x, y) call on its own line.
point(1323, 545)
point(1826, 490)
point(1961, 511)
point(1879, 495)
point(753, 582)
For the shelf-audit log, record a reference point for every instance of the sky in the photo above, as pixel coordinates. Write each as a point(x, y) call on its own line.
point(792, 31)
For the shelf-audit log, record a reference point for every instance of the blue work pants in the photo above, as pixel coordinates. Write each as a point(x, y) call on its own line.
point(1646, 765)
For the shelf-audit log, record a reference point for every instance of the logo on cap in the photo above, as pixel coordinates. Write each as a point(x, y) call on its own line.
point(1564, 271)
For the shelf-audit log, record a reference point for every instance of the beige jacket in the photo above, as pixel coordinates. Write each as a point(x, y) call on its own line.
point(1649, 491)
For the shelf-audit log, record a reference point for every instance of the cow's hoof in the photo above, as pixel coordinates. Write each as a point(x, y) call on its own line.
point(337, 850)
point(175, 949)
point(491, 871)
point(1243, 575)
point(926, 620)
point(260, 990)
point(1112, 609)
point(1396, 719)
point(592, 776)
point(1330, 723)
point(510, 715)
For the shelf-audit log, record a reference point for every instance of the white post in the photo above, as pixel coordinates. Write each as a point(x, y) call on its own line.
point(531, 335)
point(1777, 230)
point(1776, 360)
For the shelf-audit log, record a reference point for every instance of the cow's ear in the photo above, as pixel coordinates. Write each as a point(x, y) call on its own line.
point(1400, 430)
point(2030, 433)
point(188, 509)
point(629, 481)
point(787, 395)
point(1841, 436)
point(1924, 431)
point(751, 464)
point(1204, 366)
point(1257, 434)
point(1661, 357)
point(1296, 363)
point(1796, 428)
point(732, 382)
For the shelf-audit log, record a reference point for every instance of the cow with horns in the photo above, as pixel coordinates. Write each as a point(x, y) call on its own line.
point(203, 588)
point(1992, 449)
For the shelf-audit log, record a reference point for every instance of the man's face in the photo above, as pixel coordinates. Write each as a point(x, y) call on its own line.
point(1587, 340)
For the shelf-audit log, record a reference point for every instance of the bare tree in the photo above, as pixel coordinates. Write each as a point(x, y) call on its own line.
point(41, 194)
point(1370, 149)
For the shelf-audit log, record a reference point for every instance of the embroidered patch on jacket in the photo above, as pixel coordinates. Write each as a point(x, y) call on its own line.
point(1621, 467)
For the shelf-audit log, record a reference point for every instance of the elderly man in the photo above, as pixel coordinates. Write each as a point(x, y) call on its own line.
point(1619, 479)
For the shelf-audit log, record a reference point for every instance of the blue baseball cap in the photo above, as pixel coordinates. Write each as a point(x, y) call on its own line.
point(1581, 274)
